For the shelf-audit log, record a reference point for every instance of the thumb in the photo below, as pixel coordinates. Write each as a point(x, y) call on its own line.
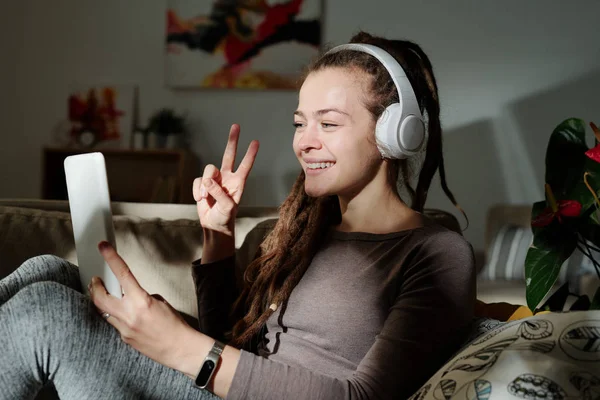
point(225, 203)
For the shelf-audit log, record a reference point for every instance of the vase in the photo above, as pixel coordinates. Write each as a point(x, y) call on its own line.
point(173, 141)
point(138, 140)
point(152, 140)
point(156, 141)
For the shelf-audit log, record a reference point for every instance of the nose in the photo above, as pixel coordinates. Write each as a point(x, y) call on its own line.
point(309, 139)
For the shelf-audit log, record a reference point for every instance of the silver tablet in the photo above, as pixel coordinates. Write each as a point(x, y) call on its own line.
point(91, 216)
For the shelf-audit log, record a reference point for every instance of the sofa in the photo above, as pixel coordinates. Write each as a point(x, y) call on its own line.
point(159, 242)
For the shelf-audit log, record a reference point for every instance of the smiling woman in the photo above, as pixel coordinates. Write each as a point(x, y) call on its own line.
point(353, 294)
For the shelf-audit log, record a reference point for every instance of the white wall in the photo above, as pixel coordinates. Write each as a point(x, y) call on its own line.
point(488, 56)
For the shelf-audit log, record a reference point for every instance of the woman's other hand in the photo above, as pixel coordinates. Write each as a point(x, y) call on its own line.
point(218, 192)
point(146, 322)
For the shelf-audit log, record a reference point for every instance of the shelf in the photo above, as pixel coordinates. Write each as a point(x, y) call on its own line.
point(157, 176)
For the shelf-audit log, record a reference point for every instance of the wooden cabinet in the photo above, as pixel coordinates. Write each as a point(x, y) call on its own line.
point(156, 176)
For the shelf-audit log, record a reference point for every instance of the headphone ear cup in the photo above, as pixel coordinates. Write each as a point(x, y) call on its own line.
point(412, 134)
point(399, 137)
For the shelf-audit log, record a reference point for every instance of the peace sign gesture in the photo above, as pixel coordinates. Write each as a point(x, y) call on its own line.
point(218, 192)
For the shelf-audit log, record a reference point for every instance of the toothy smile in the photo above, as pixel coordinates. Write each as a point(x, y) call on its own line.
point(321, 165)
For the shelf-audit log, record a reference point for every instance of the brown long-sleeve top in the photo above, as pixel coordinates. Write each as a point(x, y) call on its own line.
point(373, 317)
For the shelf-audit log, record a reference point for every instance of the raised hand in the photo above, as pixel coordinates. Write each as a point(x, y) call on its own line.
point(218, 192)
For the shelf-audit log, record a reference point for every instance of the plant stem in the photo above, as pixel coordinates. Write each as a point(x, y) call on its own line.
point(590, 188)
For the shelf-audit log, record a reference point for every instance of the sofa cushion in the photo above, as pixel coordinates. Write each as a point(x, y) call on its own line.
point(159, 252)
point(550, 356)
point(506, 255)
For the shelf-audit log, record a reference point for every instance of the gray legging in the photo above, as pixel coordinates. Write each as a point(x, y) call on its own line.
point(51, 332)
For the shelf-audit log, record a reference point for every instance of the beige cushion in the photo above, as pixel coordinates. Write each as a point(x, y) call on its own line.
point(159, 252)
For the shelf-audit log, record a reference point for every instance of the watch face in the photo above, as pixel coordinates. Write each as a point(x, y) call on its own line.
point(205, 373)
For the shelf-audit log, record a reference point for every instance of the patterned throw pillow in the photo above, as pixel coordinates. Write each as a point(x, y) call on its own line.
point(550, 356)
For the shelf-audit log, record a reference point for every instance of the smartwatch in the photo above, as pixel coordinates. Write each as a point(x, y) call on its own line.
point(209, 365)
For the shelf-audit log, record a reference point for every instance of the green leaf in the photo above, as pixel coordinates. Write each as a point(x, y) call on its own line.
point(596, 301)
point(565, 157)
point(594, 216)
point(537, 209)
point(552, 245)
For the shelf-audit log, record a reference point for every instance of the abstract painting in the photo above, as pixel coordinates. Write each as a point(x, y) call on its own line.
point(251, 44)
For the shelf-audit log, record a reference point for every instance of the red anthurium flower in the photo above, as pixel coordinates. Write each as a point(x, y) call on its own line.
point(562, 208)
point(594, 153)
point(566, 208)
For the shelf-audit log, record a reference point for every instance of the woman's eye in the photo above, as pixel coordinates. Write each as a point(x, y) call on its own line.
point(297, 125)
point(326, 125)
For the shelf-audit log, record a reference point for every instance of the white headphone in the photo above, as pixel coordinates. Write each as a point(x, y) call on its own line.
point(400, 130)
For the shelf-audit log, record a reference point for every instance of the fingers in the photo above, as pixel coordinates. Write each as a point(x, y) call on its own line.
point(116, 322)
point(197, 189)
point(225, 204)
point(109, 307)
point(248, 161)
point(128, 282)
point(103, 300)
point(231, 149)
point(211, 172)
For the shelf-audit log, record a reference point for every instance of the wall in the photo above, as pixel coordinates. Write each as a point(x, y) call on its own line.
point(538, 114)
point(11, 143)
point(487, 57)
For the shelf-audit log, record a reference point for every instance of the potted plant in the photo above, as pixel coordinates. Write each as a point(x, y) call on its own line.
point(168, 127)
point(569, 217)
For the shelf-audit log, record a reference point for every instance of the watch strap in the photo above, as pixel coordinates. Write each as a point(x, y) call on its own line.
point(209, 365)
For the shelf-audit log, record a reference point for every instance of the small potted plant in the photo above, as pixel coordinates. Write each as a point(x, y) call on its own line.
point(166, 128)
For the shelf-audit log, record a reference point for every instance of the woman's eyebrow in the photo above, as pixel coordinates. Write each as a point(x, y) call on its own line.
point(326, 110)
point(321, 112)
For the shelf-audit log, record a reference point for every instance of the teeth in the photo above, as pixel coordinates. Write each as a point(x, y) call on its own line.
point(319, 165)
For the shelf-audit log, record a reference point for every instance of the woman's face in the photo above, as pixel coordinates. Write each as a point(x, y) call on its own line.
point(335, 133)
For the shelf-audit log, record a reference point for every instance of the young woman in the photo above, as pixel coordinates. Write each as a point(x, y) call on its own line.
point(354, 294)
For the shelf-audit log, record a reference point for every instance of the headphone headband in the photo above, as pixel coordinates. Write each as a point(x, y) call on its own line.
point(394, 69)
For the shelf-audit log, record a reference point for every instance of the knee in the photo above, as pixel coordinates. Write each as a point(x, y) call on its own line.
point(49, 301)
point(41, 295)
point(46, 312)
point(48, 260)
point(51, 267)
